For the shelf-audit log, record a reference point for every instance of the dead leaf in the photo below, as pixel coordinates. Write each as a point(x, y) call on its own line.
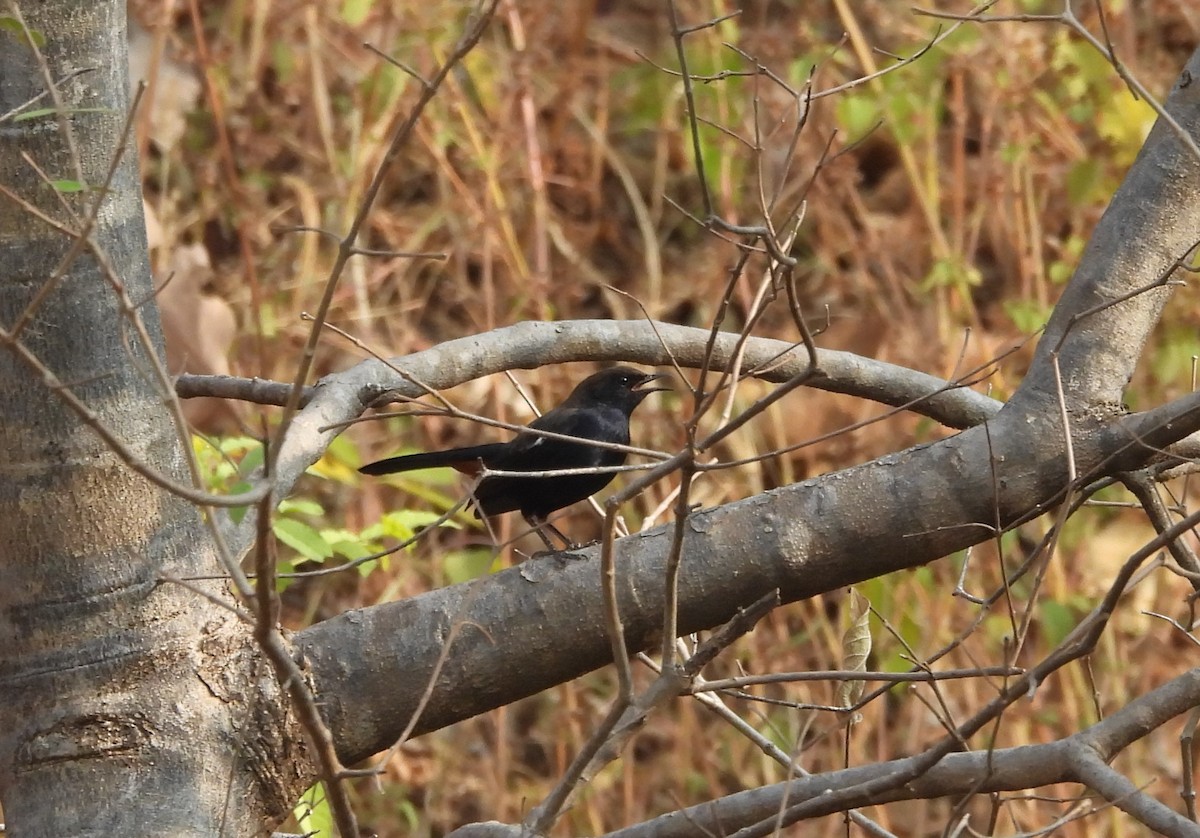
point(199, 330)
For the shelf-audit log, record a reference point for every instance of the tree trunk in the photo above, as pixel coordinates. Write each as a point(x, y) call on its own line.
point(131, 706)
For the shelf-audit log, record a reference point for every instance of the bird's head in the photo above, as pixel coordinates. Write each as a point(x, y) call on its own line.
point(618, 386)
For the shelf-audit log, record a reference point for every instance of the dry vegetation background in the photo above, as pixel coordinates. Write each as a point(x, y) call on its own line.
point(542, 172)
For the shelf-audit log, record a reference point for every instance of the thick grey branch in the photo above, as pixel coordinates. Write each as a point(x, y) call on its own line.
point(805, 539)
point(1117, 789)
point(1152, 222)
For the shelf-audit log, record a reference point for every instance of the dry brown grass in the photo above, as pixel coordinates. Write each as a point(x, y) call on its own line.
point(540, 171)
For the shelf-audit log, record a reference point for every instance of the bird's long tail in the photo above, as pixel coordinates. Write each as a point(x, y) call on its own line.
point(465, 460)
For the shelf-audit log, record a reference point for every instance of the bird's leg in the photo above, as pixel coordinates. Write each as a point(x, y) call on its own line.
point(568, 543)
point(541, 526)
point(537, 528)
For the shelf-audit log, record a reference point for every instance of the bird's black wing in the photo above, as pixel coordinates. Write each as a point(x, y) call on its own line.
point(539, 496)
point(533, 452)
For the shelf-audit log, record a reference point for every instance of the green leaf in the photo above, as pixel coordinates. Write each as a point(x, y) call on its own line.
point(33, 114)
point(1028, 316)
point(40, 112)
point(302, 538)
point(1173, 358)
point(283, 60)
point(355, 12)
point(237, 513)
point(14, 27)
point(465, 565)
point(951, 273)
point(312, 813)
point(253, 459)
point(345, 450)
point(347, 544)
point(404, 523)
point(301, 506)
point(1083, 181)
point(235, 445)
point(367, 568)
point(411, 815)
point(350, 550)
point(857, 114)
point(1057, 621)
point(69, 186)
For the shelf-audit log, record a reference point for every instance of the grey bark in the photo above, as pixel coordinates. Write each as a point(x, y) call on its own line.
point(130, 707)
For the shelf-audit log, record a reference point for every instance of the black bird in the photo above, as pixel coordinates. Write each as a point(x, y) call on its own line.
point(598, 409)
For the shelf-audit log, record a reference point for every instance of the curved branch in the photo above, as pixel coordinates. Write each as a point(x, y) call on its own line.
point(339, 398)
point(535, 344)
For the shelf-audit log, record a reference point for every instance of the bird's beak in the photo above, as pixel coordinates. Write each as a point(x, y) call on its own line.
point(641, 387)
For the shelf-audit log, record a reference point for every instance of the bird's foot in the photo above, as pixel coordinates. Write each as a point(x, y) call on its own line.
point(567, 552)
point(545, 563)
